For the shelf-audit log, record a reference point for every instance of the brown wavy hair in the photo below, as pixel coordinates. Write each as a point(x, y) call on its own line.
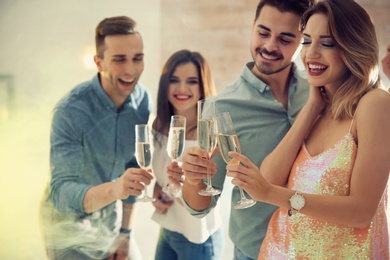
point(206, 84)
point(117, 25)
point(294, 6)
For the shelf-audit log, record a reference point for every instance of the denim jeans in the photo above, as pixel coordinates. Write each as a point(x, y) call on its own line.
point(174, 246)
point(238, 255)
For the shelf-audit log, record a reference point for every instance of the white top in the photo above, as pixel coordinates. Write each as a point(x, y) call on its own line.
point(177, 218)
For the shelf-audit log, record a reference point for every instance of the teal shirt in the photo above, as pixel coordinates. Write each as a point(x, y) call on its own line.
point(92, 143)
point(260, 123)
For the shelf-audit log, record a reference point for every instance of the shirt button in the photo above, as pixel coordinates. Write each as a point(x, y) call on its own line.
point(267, 88)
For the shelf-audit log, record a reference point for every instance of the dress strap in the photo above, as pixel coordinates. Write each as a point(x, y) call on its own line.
point(353, 119)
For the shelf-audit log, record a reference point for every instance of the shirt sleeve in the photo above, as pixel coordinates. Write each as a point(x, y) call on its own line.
point(66, 163)
point(201, 213)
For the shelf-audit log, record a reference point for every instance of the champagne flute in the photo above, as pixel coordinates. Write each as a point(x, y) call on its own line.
point(143, 153)
point(228, 141)
point(207, 138)
point(175, 148)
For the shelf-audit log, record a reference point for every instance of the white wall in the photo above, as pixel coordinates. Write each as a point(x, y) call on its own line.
point(42, 45)
point(43, 42)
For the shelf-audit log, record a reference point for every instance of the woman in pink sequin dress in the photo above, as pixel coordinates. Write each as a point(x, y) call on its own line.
point(329, 175)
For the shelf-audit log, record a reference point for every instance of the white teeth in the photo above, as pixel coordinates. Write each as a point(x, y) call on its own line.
point(269, 57)
point(318, 67)
point(182, 96)
point(128, 81)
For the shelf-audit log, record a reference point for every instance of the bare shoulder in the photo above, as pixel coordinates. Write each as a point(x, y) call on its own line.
point(374, 109)
point(375, 100)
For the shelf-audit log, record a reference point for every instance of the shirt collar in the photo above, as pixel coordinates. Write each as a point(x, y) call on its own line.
point(260, 85)
point(102, 95)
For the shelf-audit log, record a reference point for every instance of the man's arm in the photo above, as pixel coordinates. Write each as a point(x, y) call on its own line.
point(122, 243)
point(192, 197)
point(195, 166)
point(67, 163)
point(129, 184)
point(128, 216)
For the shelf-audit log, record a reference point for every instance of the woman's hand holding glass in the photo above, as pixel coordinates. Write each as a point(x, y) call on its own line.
point(227, 142)
point(175, 148)
point(246, 175)
point(175, 174)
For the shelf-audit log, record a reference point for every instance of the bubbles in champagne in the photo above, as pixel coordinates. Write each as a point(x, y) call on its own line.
point(175, 145)
point(206, 135)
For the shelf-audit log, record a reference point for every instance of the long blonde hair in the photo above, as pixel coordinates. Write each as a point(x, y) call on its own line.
point(355, 38)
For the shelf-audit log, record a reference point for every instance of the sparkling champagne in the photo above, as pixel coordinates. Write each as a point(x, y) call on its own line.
point(143, 154)
point(175, 147)
point(206, 136)
point(228, 143)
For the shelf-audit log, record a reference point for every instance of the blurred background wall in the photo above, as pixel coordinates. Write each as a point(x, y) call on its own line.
point(46, 48)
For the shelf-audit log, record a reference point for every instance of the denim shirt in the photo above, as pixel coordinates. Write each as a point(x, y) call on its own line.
point(260, 123)
point(92, 143)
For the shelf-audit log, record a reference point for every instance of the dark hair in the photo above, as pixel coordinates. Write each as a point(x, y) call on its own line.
point(118, 25)
point(295, 6)
point(206, 84)
point(354, 36)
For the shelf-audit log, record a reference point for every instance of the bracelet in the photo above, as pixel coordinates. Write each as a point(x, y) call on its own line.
point(124, 231)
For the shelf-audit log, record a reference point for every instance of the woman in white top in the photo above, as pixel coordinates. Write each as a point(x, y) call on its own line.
point(185, 79)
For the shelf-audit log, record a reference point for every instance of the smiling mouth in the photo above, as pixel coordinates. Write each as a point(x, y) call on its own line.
point(126, 81)
point(317, 68)
point(182, 97)
point(269, 57)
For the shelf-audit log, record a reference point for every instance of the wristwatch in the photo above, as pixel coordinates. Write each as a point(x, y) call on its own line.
point(297, 202)
point(125, 232)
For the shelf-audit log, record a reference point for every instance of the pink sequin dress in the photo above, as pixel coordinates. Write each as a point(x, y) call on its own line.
point(304, 237)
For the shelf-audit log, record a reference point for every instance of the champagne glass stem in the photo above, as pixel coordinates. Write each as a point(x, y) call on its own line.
point(244, 201)
point(207, 139)
point(208, 179)
point(209, 190)
point(171, 188)
point(242, 194)
point(146, 197)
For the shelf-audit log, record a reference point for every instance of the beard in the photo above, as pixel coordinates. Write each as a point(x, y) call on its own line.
point(265, 67)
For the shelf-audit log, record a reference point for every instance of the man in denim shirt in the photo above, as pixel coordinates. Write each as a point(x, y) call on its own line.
point(88, 212)
point(263, 104)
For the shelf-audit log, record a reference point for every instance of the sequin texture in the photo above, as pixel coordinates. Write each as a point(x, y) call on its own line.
point(304, 237)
